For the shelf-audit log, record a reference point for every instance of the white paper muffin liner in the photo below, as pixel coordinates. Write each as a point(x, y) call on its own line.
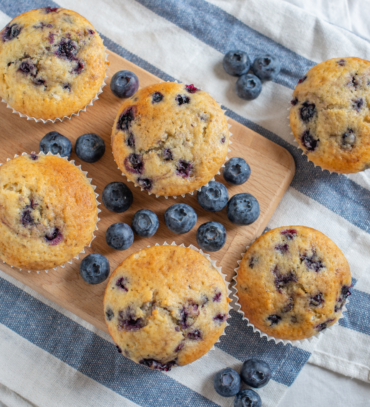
point(198, 189)
point(95, 98)
point(97, 218)
point(219, 269)
point(311, 340)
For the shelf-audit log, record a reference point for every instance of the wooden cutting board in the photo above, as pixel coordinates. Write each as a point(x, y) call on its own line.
point(272, 171)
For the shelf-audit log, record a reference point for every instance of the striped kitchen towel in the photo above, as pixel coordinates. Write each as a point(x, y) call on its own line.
point(50, 357)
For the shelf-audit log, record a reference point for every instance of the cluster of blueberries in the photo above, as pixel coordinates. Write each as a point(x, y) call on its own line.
point(249, 85)
point(254, 373)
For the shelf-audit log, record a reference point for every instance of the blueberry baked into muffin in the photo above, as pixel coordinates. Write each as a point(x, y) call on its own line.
point(330, 116)
point(48, 211)
point(170, 139)
point(293, 282)
point(52, 63)
point(165, 306)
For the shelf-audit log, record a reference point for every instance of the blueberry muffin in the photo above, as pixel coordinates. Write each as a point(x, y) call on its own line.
point(52, 63)
point(330, 114)
point(293, 282)
point(48, 211)
point(165, 306)
point(170, 138)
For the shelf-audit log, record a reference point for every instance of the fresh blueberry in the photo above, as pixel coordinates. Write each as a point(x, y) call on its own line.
point(243, 209)
point(247, 398)
point(255, 373)
point(227, 382)
point(266, 67)
point(211, 236)
point(213, 197)
point(56, 144)
point(145, 223)
point(248, 87)
point(236, 63)
point(117, 197)
point(90, 147)
point(124, 84)
point(94, 268)
point(236, 171)
point(119, 236)
point(180, 218)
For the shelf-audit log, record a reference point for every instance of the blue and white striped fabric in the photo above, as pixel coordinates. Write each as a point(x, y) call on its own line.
point(50, 357)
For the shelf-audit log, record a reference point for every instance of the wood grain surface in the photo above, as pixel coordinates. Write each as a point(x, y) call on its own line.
point(272, 171)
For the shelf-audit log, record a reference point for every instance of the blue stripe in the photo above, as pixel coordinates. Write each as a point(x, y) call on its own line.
point(223, 32)
point(334, 191)
point(88, 353)
point(98, 359)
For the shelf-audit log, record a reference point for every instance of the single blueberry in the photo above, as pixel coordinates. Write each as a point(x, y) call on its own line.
point(124, 84)
point(191, 88)
point(266, 67)
point(10, 32)
point(211, 236)
point(56, 143)
point(180, 218)
point(28, 68)
point(109, 315)
point(243, 209)
point(125, 119)
point(274, 319)
point(307, 111)
point(119, 236)
point(54, 237)
point(182, 99)
point(134, 163)
point(157, 97)
point(236, 63)
point(227, 382)
point(255, 373)
point(67, 49)
point(51, 10)
point(145, 223)
point(117, 197)
point(348, 139)
point(236, 171)
point(90, 147)
point(248, 87)
point(213, 197)
point(145, 183)
point(184, 168)
point(247, 398)
point(308, 141)
point(94, 268)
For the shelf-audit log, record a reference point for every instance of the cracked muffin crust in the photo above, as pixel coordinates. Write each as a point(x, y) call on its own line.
point(165, 306)
point(293, 282)
point(330, 116)
point(52, 63)
point(170, 138)
point(48, 211)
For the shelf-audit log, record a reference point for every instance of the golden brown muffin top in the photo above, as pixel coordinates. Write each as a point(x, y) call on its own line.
point(48, 211)
point(170, 138)
point(293, 282)
point(165, 306)
point(52, 63)
point(330, 114)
